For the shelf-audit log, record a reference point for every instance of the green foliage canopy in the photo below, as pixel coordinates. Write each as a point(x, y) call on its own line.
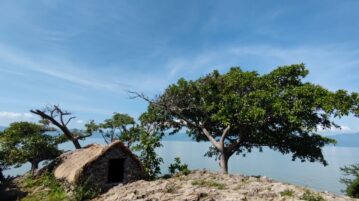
point(239, 110)
point(27, 142)
point(118, 127)
point(146, 146)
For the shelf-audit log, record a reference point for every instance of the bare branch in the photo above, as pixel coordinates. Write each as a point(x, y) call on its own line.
point(80, 137)
point(50, 114)
point(139, 95)
point(68, 121)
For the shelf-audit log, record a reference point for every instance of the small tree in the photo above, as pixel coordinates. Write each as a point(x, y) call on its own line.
point(27, 142)
point(239, 110)
point(141, 138)
point(60, 118)
point(118, 127)
point(147, 145)
point(351, 180)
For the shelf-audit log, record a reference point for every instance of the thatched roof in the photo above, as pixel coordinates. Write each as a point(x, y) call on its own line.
point(73, 163)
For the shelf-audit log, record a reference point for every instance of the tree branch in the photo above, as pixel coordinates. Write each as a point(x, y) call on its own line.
point(165, 107)
point(224, 135)
point(211, 139)
point(233, 147)
point(68, 121)
point(50, 114)
point(80, 137)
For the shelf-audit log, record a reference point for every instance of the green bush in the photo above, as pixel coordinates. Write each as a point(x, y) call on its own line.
point(309, 196)
point(85, 191)
point(351, 180)
point(287, 192)
point(353, 188)
point(171, 188)
point(53, 190)
point(178, 167)
point(209, 183)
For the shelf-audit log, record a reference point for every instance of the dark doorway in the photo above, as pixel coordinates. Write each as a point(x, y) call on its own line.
point(115, 170)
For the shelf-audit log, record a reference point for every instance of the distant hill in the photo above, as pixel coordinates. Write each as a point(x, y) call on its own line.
point(2, 128)
point(347, 140)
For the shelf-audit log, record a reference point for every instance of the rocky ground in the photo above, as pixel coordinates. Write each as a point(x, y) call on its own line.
point(207, 186)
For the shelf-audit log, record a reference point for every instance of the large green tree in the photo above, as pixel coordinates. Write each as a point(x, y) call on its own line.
point(27, 142)
point(241, 110)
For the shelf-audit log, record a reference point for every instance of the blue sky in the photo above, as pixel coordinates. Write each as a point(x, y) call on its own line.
point(84, 55)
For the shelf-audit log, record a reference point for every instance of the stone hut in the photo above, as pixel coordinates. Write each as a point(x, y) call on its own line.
point(100, 165)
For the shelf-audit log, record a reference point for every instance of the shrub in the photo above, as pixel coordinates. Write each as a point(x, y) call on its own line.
point(210, 183)
point(287, 192)
point(178, 167)
point(309, 196)
point(170, 188)
point(52, 189)
point(353, 188)
point(147, 144)
point(351, 180)
point(85, 190)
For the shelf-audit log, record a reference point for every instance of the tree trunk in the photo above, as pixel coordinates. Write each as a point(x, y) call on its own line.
point(76, 144)
point(34, 166)
point(70, 136)
point(224, 163)
point(59, 123)
point(2, 178)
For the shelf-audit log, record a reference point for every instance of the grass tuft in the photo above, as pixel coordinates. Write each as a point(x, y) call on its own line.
point(209, 183)
point(45, 188)
point(288, 193)
point(309, 196)
point(170, 188)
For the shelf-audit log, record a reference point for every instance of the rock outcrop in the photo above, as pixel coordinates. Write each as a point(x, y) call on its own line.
point(207, 186)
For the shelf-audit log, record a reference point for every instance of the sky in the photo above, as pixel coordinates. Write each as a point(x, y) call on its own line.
point(86, 55)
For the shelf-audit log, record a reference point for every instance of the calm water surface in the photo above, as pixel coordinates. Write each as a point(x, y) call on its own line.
point(269, 163)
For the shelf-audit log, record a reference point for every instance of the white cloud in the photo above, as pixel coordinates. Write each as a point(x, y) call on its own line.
point(329, 65)
point(82, 75)
point(7, 118)
point(80, 121)
point(56, 67)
